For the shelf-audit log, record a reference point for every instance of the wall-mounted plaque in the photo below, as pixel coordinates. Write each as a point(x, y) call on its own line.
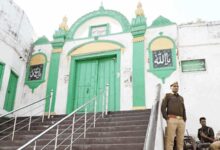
point(162, 58)
point(99, 30)
point(36, 72)
point(193, 65)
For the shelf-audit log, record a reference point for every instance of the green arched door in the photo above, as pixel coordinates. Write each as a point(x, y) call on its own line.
point(11, 92)
point(91, 76)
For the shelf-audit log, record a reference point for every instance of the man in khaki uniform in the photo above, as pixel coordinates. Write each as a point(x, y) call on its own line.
point(173, 111)
point(216, 144)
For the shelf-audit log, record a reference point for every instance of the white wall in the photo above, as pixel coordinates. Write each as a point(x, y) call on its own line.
point(15, 28)
point(83, 30)
point(28, 96)
point(16, 36)
point(201, 89)
point(14, 63)
point(150, 79)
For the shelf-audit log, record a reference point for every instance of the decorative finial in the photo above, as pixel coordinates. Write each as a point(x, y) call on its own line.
point(139, 11)
point(63, 25)
point(101, 7)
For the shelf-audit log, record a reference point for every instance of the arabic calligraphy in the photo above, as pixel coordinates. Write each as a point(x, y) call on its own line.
point(162, 58)
point(36, 72)
point(98, 31)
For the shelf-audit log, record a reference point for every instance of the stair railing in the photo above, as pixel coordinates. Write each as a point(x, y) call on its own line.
point(71, 132)
point(26, 114)
point(153, 130)
point(160, 136)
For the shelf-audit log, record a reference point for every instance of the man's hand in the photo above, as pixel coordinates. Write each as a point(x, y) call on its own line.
point(206, 137)
point(203, 135)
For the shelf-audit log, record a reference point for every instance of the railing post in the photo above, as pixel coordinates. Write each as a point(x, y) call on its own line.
point(35, 145)
point(29, 124)
point(50, 102)
point(103, 104)
point(94, 113)
point(13, 132)
point(85, 122)
point(106, 98)
point(43, 117)
point(57, 133)
point(44, 113)
point(73, 124)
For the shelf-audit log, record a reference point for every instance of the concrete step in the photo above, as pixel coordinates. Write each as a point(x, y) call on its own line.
point(124, 130)
point(131, 146)
point(97, 140)
point(97, 129)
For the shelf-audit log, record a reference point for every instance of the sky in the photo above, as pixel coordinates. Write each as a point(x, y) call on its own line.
point(46, 15)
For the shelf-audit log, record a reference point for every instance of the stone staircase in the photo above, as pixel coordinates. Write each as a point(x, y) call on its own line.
point(123, 130)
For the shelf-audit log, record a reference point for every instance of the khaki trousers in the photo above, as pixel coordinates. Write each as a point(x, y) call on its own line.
point(215, 145)
point(175, 127)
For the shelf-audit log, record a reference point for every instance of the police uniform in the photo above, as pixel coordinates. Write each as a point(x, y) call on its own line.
point(216, 145)
point(173, 111)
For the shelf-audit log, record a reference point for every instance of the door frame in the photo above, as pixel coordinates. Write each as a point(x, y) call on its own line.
point(13, 102)
point(72, 76)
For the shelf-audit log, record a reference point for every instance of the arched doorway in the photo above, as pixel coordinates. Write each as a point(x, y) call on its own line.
point(93, 65)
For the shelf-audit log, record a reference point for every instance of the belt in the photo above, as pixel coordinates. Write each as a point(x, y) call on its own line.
point(176, 117)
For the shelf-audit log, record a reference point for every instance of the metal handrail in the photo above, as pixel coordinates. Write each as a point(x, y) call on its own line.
point(152, 126)
point(13, 117)
point(105, 94)
point(11, 112)
point(160, 129)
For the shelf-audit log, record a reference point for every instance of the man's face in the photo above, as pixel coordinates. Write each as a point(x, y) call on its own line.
point(175, 88)
point(203, 122)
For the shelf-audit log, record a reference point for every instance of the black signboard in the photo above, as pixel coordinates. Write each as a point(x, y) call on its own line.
point(162, 58)
point(36, 72)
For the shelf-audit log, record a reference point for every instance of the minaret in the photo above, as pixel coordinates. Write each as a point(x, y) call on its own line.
point(58, 42)
point(138, 29)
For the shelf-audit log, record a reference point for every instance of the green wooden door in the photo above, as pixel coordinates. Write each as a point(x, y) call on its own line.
point(85, 85)
point(107, 75)
point(2, 66)
point(91, 78)
point(11, 92)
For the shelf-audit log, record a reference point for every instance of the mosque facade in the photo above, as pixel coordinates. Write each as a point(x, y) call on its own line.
point(104, 48)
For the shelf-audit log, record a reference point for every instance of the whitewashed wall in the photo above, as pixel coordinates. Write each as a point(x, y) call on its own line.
point(15, 28)
point(83, 30)
point(201, 89)
point(16, 36)
point(150, 79)
point(28, 96)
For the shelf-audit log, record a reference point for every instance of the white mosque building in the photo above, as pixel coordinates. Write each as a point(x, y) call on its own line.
point(104, 47)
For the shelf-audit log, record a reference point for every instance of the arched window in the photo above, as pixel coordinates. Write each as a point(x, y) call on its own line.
point(35, 74)
point(162, 56)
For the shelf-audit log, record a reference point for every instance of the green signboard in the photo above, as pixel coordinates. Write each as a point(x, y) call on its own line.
point(193, 65)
